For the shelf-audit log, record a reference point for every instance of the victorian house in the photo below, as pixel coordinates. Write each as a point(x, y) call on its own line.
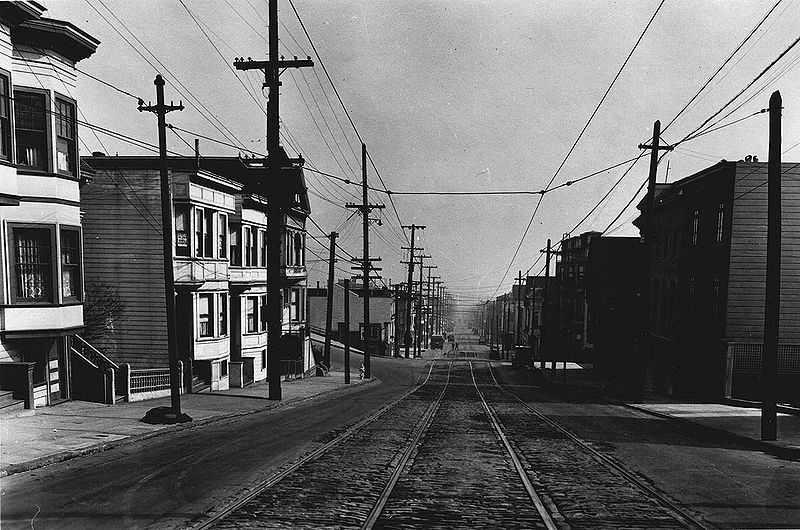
point(40, 178)
point(219, 256)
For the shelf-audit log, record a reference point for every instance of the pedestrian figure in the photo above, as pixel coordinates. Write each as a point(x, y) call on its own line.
point(361, 371)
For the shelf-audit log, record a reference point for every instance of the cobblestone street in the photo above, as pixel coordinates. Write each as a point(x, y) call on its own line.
point(435, 459)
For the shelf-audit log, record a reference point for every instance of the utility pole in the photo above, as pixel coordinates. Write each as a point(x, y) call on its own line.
point(407, 340)
point(366, 266)
point(278, 198)
point(397, 295)
point(519, 310)
point(648, 248)
point(418, 317)
point(435, 318)
point(545, 344)
point(428, 312)
point(161, 110)
point(769, 363)
point(347, 331)
point(326, 357)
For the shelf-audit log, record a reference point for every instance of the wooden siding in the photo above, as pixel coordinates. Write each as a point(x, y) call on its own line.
point(123, 260)
point(748, 257)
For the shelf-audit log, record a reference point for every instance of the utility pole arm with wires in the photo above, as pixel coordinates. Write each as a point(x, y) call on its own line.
point(277, 198)
point(161, 110)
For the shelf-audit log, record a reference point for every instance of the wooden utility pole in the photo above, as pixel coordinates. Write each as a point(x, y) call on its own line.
point(161, 110)
point(366, 262)
point(347, 331)
point(278, 198)
point(326, 356)
point(519, 310)
point(648, 224)
point(407, 339)
point(545, 308)
point(769, 407)
point(428, 312)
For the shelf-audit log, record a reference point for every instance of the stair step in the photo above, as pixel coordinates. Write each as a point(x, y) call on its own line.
point(119, 399)
point(11, 407)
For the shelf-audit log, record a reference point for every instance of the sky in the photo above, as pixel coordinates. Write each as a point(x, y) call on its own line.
point(450, 95)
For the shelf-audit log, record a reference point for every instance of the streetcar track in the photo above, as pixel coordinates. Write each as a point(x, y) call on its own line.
point(422, 426)
point(294, 466)
point(537, 501)
point(674, 510)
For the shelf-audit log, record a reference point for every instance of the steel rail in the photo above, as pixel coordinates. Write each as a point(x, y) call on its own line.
point(277, 477)
point(537, 501)
point(676, 512)
point(420, 429)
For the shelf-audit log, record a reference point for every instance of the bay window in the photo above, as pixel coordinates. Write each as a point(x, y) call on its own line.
point(70, 264)
point(182, 230)
point(222, 313)
point(32, 264)
point(205, 303)
point(31, 129)
point(5, 118)
point(66, 149)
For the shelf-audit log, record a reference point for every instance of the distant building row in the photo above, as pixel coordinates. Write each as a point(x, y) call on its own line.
point(707, 290)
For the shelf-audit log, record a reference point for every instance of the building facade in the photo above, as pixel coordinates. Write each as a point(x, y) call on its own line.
point(40, 179)
point(708, 280)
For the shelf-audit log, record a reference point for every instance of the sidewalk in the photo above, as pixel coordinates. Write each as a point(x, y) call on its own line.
point(738, 420)
point(76, 428)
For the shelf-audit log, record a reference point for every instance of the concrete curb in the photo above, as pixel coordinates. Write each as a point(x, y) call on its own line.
point(773, 449)
point(13, 469)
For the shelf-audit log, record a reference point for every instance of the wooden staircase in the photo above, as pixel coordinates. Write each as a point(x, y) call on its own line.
point(198, 385)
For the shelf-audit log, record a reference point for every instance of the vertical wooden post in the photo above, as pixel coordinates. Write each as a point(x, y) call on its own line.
point(347, 331)
point(769, 413)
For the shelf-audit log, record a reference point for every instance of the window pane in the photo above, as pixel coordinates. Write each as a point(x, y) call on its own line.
point(181, 231)
point(264, 313)
point(223, 314)
point(236, 247)
point(263, 235)
point(5, 123)
point(248, 241)
point(222, 235)
point(204, 304)
point(34, 276)
point(208, 234)
point(31, 129)
point(70, 265)
point(198, 232)
point(251, 312)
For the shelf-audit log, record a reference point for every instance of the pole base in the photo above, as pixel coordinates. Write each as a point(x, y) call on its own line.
point(164, 416)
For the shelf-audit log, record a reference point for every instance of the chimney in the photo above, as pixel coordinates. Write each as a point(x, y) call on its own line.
point(197, 153)
point(98, 154)
point(748, 158)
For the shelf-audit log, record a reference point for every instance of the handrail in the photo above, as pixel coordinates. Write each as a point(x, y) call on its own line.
point(97, 352)
point(79, 354)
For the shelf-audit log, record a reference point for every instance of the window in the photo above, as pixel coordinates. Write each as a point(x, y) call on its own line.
point(253, 248)
point(294, 306)
point(70, 264)
point(298, 249)
point(222, 314)
point(182, 230)
point(33, 267)
point(248, 242)
point(251, 313)
point(223, 369)
point(5, 119)
point(581, 271)
point(31, 129)
point(66, 153)
point(720, 221)
point(222, 236)
point(204, 311)
point(264, 313)
point(208, 233)
point(289, 247)
point(236, 246)
point(263, 359)
point(263, 241)
point(198, 232)
point(695, 226)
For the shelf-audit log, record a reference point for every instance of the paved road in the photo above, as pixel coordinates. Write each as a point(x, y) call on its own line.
point(166, 481)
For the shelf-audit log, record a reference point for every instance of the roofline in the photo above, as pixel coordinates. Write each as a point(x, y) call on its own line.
point(58, 35)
